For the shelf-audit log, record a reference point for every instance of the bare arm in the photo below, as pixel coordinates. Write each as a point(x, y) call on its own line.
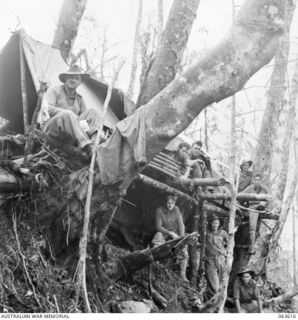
point(237, 303)
point(181, 227)
point(158, 224)
point(260, 305)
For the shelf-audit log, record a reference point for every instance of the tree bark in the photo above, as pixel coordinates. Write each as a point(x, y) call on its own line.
point(159, 21)
point(136, 45)
point(170, 49)
point(267, 134)
point(68, 24)
point(220, 74)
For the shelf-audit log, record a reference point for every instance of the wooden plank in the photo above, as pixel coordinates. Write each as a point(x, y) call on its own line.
point(166, 165)
point(170, 158)
point(154, 166)
point(166, 160)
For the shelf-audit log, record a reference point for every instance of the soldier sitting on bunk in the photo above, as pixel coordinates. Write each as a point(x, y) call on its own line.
point(69, 121)
point(169, 225)
point(256, 188)
point(202, 167)
point(183, 156)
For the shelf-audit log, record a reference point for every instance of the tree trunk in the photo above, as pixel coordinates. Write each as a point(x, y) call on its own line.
point(294, 210)
point(170, 49)
point(159, 21)
point(228, 66)
point(68, 24)
point(267, 134)
point(136, 45)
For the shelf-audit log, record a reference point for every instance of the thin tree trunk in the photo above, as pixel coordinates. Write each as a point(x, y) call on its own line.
point(24, 89)
point(83, 242)
point(159, 21)
point(233, 205)
point(206, 130)
point(136, 45)
point(170, 50)
point(68, 24)
point(294, 210)
point(289, 200)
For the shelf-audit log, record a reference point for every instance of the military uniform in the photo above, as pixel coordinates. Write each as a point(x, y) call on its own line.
point(172, 221)
point(215, 259)
point(253, 216)
point(64, 111)
point(248, 295)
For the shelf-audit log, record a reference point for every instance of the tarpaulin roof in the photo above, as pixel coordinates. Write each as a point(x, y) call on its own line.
point(44, 62)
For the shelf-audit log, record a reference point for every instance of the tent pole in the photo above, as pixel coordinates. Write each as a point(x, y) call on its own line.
point(23, 90)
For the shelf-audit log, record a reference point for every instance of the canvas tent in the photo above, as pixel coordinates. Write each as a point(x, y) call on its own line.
point(43, 62)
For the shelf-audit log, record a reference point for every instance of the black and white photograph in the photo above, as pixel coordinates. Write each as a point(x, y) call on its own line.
point(148, 158)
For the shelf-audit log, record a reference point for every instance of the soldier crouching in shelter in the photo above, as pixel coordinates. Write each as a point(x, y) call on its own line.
point(169, 225)
point(66, 109)
point(246, 293)
point(215, 251)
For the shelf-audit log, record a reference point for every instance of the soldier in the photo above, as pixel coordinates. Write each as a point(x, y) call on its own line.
point(245, 178)
point(246, 293)
point(201, 167)
point(257, 187)
point(66, 110)
point(169, 225)
point(215, 251)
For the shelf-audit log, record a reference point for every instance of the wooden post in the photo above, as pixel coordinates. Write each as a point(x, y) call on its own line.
point(203, 241)
point(193, 257)
point(29, 140)
point(23, 88)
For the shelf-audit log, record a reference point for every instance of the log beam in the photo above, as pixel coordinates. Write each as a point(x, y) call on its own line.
point(164, 188)
point(139, 259)
point(240, 196)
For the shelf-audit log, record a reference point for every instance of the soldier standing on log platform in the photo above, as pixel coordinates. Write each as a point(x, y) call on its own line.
point(169, 225)
point(215, 251)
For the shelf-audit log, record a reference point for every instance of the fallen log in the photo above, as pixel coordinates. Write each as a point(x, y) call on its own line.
point(139, 259)
point(10, 181)
point(282, 298)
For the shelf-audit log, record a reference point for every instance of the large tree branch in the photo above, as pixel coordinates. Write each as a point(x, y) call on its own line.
point(170, 49)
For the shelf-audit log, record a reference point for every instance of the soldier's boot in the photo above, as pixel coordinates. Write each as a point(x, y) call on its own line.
point(183, 266)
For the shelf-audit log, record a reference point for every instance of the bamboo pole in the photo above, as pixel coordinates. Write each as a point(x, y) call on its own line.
point(81, 275)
